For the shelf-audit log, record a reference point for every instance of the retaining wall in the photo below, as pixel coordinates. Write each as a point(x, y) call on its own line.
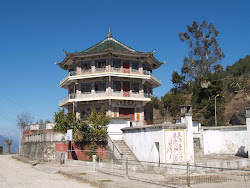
point(44, 151)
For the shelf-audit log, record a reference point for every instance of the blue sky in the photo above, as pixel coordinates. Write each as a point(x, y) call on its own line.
point(34, 34)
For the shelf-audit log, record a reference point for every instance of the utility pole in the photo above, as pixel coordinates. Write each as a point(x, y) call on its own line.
point(215, 109)
point(20, 137)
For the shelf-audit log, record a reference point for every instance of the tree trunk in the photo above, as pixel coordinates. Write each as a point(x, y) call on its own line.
point(9, 148)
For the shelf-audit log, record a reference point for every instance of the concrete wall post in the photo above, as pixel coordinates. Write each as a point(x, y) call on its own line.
point(248, 129)
point(111, 166)
point(94, 162)
point(186, 118)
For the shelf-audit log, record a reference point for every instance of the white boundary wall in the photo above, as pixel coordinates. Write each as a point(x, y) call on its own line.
point(224, 140)
point(148, 143)
point(142, 144)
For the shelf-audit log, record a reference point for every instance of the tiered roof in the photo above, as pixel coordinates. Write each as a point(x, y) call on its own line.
point(106, 45)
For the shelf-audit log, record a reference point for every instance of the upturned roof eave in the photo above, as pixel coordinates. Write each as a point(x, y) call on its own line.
point(64, 61)
point(109, 50)
point(146, 55)
point(158, 63)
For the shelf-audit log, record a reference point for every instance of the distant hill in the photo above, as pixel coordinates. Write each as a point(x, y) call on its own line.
point(14, 146)
point(239, 68)
point(234, 92)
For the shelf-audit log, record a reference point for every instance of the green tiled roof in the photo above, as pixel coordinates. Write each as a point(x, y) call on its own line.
point(109, 43)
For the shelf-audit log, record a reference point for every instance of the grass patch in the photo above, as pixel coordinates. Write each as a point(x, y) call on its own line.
point(105, 180)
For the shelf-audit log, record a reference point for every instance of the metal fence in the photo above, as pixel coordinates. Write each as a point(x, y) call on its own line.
point(166, 174)
point(200, 176)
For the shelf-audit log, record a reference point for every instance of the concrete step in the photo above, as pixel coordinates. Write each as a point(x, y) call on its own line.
point(126, 151)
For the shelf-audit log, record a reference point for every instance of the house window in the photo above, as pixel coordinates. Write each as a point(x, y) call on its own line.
point(117, 86)
point(135, 66)
point(86, 88)
point(117, 63)
point(100, 87)
point(135, 87)
point(100, 64)
point(85, 66)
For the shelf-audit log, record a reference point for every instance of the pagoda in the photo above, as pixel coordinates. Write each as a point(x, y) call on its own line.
point(114, 75)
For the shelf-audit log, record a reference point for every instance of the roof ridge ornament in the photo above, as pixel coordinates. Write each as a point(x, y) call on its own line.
point(109, 34)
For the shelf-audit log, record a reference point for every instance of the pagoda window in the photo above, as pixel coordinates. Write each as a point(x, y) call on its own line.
point(135, 66)
point(86, 66)
point(72, 89)
point(146, 70)
point(147, 91)
point(86, 88)
point(100, 87)
point(117, 64)
point(73, 69)
point(135, 87)
point(117, 86)
point(100, 64)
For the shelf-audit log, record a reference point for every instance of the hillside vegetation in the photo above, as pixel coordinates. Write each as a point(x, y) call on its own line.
point(232, 85)
point(237, 87)
point(203, 80)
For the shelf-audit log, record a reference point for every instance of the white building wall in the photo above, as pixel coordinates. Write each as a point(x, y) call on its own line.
point(34, 127)
point(226, 140)
point(49, 126)
point(115, 126)
point(143, 144)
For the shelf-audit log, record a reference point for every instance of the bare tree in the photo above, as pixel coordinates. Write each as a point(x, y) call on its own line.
point(23, 119)
point(8, 142)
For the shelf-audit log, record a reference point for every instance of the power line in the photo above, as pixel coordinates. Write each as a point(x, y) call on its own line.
point(21, 106)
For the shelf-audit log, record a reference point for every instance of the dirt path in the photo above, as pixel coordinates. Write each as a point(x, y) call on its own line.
point(17, 174)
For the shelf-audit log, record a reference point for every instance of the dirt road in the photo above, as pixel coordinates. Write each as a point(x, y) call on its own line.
point(15, 174)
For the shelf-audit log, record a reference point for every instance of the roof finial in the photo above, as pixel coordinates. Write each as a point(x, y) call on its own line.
point(109, 34)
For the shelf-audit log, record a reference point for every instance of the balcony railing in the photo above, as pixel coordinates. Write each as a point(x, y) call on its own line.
point(127, 94)
point(84, 95)
point(134, 70)
point(100, 69)
point(97, 94)
point(113, 69)
point(148, 95)
point(72, 73)
point(146, 72)
point(88, 71)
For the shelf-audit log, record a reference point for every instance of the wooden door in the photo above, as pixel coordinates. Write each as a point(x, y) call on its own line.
point(127, 112)
point(126, 89)
point(126, 67)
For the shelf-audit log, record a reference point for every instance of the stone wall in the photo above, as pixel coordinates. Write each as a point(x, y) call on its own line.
point(43, 151)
